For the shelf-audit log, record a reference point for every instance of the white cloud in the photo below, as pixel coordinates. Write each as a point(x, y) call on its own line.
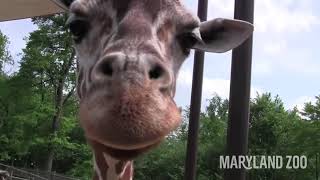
point(272, 15)
point(211, 86)
point(273, 48)
point(261, 67)
point(300, 102)
point(185, 77)
point(284, 59)
point(284, 16)
point(279, 29)
point(220, 8)
point(16, 31)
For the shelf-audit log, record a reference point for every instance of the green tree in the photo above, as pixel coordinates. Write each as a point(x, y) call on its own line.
point(38, 110)
point(48, 64)
point(5, 56)
point(312, 112)
point(40, 96)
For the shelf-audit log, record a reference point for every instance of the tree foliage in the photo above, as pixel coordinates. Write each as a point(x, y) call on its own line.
point(5, 56)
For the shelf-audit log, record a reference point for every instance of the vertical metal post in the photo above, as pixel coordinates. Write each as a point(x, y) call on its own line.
point(317, 174)
point(237, 137)
point(195, 106)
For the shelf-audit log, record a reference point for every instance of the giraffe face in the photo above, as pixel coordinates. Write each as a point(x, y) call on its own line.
point(129, 53)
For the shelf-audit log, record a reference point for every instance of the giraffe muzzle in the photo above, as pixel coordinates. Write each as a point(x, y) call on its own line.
point(132, 120)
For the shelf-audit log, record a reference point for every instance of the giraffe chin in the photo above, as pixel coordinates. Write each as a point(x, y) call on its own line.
point(121, 154)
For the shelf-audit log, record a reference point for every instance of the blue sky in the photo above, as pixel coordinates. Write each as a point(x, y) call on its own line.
point(286, 60)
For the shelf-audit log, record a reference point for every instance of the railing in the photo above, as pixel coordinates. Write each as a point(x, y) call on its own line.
point(50, 175)
point(28, 174)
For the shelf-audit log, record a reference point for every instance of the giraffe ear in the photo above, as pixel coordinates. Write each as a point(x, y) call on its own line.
point(64, 3)
point(221, 35)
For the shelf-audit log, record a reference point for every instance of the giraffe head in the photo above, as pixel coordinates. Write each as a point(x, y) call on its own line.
point(129, 53)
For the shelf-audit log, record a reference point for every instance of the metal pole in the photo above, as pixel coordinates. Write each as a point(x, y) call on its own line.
point(195, 106)
point(317, 175)
point(237, 137)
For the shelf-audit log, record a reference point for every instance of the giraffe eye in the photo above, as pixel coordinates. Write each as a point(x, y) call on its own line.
point(78, 28)
point(187, 40)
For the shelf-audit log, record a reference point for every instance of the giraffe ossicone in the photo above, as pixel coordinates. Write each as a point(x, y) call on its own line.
point(129, 54)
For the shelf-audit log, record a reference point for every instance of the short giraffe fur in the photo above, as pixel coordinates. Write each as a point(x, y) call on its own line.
point(129, 54)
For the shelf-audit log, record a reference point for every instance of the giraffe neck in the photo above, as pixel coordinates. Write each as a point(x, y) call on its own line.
point(109, 168)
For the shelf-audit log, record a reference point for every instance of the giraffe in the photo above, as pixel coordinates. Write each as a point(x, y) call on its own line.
point(129, 53)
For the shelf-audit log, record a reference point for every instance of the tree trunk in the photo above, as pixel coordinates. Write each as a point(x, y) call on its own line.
point(59, 102)
point(55, 126)
point(48, 164)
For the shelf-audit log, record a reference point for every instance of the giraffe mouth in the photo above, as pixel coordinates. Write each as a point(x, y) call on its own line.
point(123, 154)
point(131, 122)
point(129, 146)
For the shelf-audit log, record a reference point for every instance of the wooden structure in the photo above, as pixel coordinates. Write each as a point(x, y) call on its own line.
point(20, 9)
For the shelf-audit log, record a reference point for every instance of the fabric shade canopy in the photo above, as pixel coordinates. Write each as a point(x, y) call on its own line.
point(20, 9)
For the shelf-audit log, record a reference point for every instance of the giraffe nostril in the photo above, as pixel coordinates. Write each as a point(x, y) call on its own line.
point(156, 72)
point(160, 77)
point(106, 68)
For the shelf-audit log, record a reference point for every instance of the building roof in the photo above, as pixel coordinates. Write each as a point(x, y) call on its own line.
point(20, 9)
